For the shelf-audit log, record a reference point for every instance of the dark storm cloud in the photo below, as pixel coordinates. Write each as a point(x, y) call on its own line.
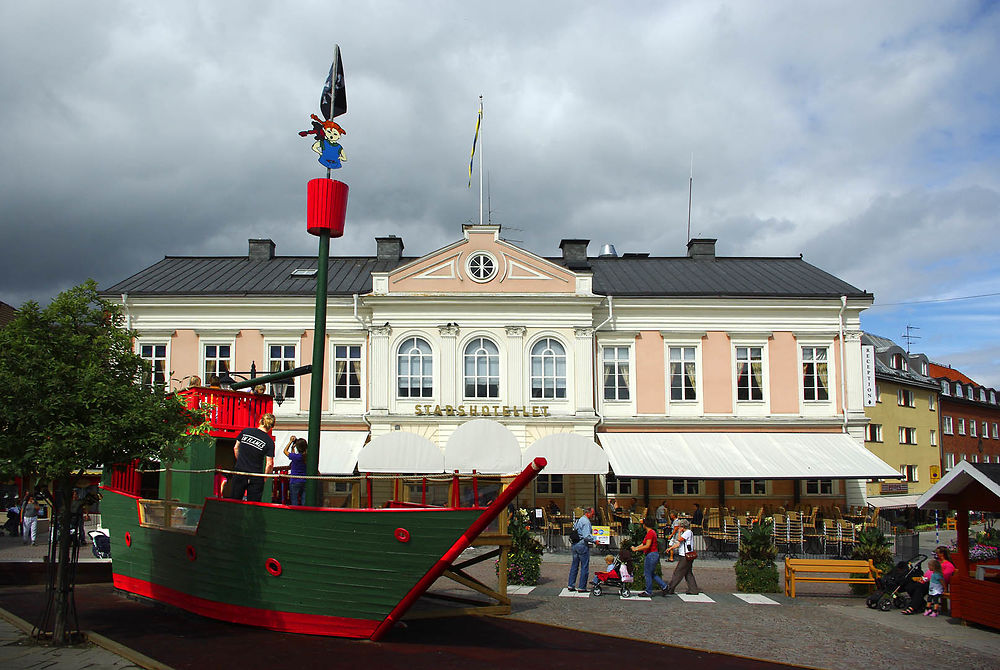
point(132, 131)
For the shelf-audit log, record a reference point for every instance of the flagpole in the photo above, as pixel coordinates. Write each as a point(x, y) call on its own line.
point(480, 162)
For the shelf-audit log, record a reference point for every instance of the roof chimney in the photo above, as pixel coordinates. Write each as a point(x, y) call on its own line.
point(701, 248)
point(389, 248)
point(574, 252)
point(261, 250)
point(608, 251)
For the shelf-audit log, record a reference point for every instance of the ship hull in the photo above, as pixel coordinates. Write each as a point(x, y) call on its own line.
point(340, 572)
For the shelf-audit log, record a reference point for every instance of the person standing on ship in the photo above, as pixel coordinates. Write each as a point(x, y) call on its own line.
point(254, 452)
point(297, 458)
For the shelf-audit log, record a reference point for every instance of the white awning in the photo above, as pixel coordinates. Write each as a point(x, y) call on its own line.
point(568, 454)
point(338, 450)
point(401, 452)
point(485, 446)
point(742, 456)
point(894, 502)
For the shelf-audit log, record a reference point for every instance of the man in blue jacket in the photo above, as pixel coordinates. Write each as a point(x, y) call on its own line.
point(581, 552)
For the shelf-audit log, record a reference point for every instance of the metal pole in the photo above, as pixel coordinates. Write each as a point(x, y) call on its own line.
point(313, 492)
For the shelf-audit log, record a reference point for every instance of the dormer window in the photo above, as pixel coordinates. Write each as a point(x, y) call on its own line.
point(945, 388)
point(923, 367)
point(982, 395)
point(898, 362)
point(958, 390)
point(993, 397)
point(969, 393)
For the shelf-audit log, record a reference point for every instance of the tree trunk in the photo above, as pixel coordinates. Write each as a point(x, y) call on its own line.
point(60, 634)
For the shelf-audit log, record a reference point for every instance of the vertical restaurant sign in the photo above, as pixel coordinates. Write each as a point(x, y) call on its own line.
point(868, 374)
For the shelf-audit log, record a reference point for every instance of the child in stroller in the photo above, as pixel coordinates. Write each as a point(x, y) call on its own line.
point(889, 588)
point(617, 574)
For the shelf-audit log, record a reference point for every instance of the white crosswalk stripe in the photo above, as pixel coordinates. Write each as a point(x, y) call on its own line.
point(700, 598)
point(756, 599)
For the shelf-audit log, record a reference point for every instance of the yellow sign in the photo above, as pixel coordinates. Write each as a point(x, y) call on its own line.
point(935, 474)
point(602, 534)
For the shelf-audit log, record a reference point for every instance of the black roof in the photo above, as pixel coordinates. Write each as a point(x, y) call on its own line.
point(621, 276)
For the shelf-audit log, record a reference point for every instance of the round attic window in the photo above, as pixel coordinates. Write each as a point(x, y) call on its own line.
point(481, 266)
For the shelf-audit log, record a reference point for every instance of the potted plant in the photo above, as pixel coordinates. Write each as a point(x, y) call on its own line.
point(872, 544)
point(524, 563)
point(755, 568)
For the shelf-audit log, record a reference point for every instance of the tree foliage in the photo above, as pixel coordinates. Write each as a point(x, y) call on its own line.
point(71, 391)
point(72, 398)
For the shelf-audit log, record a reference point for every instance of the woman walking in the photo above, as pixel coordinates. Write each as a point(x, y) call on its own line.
point(651, 550)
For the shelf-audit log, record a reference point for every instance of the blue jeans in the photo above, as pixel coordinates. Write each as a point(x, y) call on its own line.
point(581, 564)
point(652, 558)
point(297, 493)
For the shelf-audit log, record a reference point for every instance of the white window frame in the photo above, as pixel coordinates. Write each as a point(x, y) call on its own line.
point(362, 366)
point(544, 483)
point(910, 473)
point(958, 390)
point(933, 438)
point(156, 342)
point(961, 426)
point(473, 265)
point(986, 430)
point(203, 356)
point(682, 349)
point(907, 435)
point(617, 361)
point(292, 402)
point(873, 432)
point(949, 461)
point(898, 362)
point(555, 376)
point(819, 485)
point(993, 397)
point(906, 398)
point(932, 402)
point(618, 486)
point(421, 376)
point(970, 393)
point(947, 425)
point(982, 395)
point(996, 431)
point(757, 488)
point(687, 487)
point(490, 358)
point(803, 361)
point(973, 428)
point(945, 387)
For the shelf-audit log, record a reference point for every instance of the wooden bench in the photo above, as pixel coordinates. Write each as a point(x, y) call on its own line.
point(950, 523)
point(828, 570)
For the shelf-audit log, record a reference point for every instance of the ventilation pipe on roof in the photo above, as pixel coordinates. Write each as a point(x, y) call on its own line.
point(843, 362)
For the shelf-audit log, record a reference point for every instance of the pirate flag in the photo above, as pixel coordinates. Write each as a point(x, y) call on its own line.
point(333, 102)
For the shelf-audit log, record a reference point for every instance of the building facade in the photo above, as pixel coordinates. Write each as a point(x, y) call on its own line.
point(970, 419)
point(731, 381)
point(903, 425)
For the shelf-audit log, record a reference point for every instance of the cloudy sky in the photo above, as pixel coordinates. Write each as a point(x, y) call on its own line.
point(865, 136)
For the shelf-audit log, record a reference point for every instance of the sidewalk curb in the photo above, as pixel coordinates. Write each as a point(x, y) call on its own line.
point(127, 653)
point(117, 648)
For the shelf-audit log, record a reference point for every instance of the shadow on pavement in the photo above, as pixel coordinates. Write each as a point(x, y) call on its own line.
point(182, 640)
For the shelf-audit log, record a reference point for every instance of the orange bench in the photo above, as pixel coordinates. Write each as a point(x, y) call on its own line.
point(828, 570)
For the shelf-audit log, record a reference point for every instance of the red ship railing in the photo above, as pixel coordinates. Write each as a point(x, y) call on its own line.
point(229, 412)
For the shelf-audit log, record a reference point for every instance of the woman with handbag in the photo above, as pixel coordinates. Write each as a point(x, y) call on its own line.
point(684, 544)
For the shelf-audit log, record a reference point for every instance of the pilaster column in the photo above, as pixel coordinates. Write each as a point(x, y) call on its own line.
point(449, 359)
point(583, 370)
point(515, 364)
point(852, 370)
point(381, 368)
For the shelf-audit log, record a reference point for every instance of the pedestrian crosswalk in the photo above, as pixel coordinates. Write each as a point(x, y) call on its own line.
point(701, 598)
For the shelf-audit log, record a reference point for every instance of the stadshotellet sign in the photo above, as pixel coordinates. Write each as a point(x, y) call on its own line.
point(482, 410)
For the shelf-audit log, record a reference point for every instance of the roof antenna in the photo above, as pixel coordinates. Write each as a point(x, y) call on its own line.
point(909, 338)
point(690, 188)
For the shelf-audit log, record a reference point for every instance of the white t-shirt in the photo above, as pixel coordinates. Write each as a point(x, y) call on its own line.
point(687, 542)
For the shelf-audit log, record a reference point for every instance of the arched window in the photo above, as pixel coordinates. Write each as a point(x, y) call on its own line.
point(548, 369)
point(482, 369)
point(415, 369)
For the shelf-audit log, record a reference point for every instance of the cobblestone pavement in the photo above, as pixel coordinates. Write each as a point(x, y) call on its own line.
point(827, 627)
point(18, 651)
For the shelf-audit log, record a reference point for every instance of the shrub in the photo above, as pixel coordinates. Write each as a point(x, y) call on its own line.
point(755, 568)
point(524, 562)
point(872, 544)
point(636, 534)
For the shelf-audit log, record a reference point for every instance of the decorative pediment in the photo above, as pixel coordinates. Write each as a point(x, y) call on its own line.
point(482, 263)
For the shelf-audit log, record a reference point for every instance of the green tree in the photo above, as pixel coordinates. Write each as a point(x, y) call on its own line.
point(72, 397)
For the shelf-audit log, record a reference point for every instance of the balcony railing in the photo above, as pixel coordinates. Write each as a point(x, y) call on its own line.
point(229, 412)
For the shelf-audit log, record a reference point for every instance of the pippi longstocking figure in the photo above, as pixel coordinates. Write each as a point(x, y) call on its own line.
point(327, 146)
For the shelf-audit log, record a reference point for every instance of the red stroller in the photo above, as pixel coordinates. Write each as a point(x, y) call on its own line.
point(618, 575)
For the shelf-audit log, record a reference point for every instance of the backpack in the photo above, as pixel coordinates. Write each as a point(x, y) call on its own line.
point(574, 535)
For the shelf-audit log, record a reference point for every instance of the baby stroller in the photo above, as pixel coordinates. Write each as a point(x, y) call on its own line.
point(100, 543)
point(12, 525)
point(889, 591)
point(616, 575)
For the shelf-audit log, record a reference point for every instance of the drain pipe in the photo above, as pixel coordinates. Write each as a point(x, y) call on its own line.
point(128, 314)
point(843, 362)
point(356, 316)
point(611, 315)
